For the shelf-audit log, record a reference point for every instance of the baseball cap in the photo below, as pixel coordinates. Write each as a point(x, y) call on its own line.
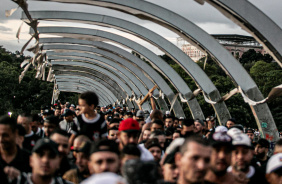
point(233, 131)
point(68, 112)
point(129, 125)
point(220, 139)
point(105, 145)
point(140, 113)
point(249, 130)
point(45, 143)
point(105, 177)
point(221, 129)
point(152, 143)
point(167, 112)
point(274, 163)
point(210, 118)
point(200, 121)
point(242, 140)
point(52, 120)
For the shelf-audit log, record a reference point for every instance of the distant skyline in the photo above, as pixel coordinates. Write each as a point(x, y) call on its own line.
point(205, 16)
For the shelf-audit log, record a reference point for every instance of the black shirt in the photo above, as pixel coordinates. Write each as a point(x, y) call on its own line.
point(94, 129)
point(20, 162)
point(29, 141)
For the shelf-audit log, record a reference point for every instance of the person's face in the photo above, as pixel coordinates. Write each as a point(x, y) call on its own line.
point(140, 121)
point(186, 129)
point(103, 161)
point(161, 139)
point(175, 135)
point(34, 126)
point(112, 134)
point(146, 134)
point(128, 137)
point(24, 121)
point(7, 137)
point(175, 123)
point(229, 124)
point(170, 173)
point(114, 125)
point(193, 164)
point(274, 178)
point(81, 161)
point(63, 144)
point(44, 164)
point(241, 158)
point(72, 108)
point(155, 127)
point(168, 122)
point(69, 118)
point(48, 128)
point(251, 136)
point(198, 127)
point(103, 109)
point(220, 159)
point(84, 107)
point(260, 151)
point(57, 112)
point(156, 152)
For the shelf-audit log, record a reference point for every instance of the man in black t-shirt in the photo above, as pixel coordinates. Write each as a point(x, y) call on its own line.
point(12, 158)
point(30, 137)
point(91, 124)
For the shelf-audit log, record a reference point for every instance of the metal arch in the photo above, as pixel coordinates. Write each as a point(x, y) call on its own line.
point(101, 70)
point(100, 77)
point(100, 82)
point(87, 80)
point(170, 49)
point(164, 68)
point(104, 63)
point(124, 63)
point(131, 74)
point(86, 86)
point(253, 20)
point(109, 95)
point(204, 41)
point(150, 73)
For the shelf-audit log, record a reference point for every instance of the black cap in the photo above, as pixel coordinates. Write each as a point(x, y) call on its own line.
point(169, 159)
point(45, 143)
point(52, 120)
point(152, 143)
point(68, 112)
point(105, 145)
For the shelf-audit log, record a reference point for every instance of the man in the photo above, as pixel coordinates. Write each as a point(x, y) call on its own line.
point(129, 131)
point(241, 159)
point(160, 135)
point(193, 160)
point(169, 121)
point(30, 138)
point(211, 123)
point(129, 152)
point(199, 126)
point(176, 134)
point(230, 122)
point(50, 124)
point(169, 169)
point(35, 125)
point(278, 147)
point(155, 148)
point(251, 135)
point(114, 123)
point(13, 159)
point(140, 117)
point(146, 134)
point(261, 150)
point(44, 162)
point(274, 169)
point(220, 159)
point(104, 157)
point(187, 127)
point(62, 139)
point(157, 125)
point(68, 123)
point(176, 123)
point(112, 133)
point(127, 115)
point(80, 173)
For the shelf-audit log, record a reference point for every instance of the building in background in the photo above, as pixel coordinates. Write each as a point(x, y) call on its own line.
point(235, 44)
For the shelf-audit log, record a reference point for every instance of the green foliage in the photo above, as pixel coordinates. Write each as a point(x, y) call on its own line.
point(29, 95)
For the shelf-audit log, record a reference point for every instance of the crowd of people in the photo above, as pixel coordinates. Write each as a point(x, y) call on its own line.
point(86, 143)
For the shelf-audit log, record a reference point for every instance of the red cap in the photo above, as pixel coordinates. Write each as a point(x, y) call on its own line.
point(128, 125)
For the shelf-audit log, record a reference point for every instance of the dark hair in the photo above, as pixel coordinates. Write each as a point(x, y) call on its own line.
point(169, 117)
point(157, 133)
point(187, 122)
point(6, 120)
point(130, 149)
point(90, 98)
point(263, 142)
point(156, 114)
point(159, 122)
point(113, 128)
point(193, 138)
point(115, 120)
point(26, 115)
point(52, 120)
point(35, 117)
point(232, 119)
point(21, 130)
point(105, 145)
point(279, 143)
point(61, 132)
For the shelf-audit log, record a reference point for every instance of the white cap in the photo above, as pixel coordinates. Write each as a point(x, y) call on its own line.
point(233, 131)
point(221, 129)
point(167, 112)
point(106, 177)
point(174, 144)
point(275, 162)
point(241, 140)
point(181, 118)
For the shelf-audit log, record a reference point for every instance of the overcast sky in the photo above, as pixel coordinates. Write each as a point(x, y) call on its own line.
point(205, 16)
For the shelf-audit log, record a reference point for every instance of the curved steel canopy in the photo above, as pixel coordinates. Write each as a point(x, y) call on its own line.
point(200, 38)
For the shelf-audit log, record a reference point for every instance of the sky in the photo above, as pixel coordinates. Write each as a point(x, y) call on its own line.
point(204, 16)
